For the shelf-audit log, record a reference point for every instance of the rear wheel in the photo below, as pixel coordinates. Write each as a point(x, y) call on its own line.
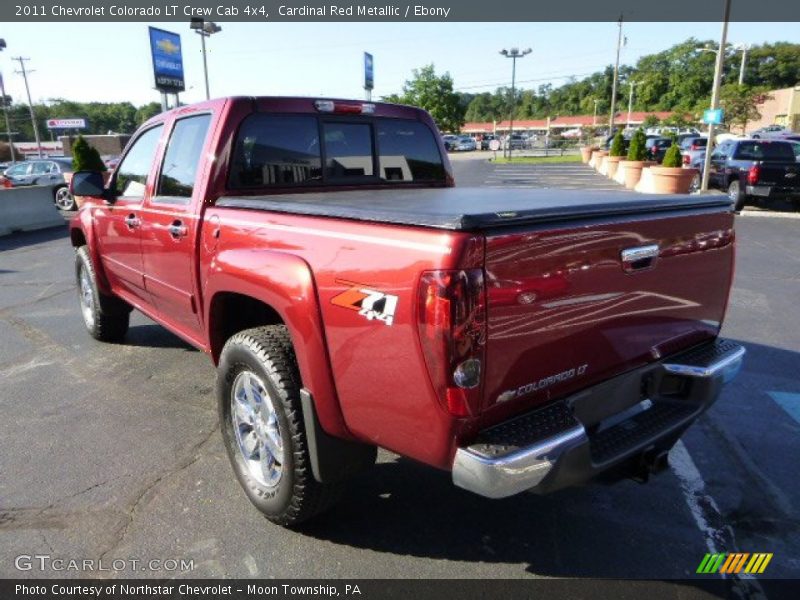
point(694, 185)
point(106, 318)
point(64, 200)
point(736, 195)
point(258, 391)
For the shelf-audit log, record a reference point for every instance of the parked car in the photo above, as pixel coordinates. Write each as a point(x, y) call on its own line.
point(747, 169)
point(111, 161)
point(465, 144)
point(516, 141)
point(450, 142)
point(50, 172)
point(343, 318)
point(657, 147)
point(486, 141)
point(771, 132)
point(795, 148)
point(691, 147)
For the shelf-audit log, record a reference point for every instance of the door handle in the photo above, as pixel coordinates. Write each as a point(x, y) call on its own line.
point(640, 258)
point(177, 229)
point(132, 221)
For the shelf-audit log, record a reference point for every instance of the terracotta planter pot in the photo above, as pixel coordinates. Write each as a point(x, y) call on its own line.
point(672, 180)
point(612, 164)
point(586, 153)
point(633, 172)
point(598, 156)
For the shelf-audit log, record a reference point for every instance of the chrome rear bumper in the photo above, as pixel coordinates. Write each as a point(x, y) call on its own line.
point(550, 448)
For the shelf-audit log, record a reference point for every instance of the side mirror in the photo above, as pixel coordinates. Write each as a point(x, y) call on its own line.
point(89, 183)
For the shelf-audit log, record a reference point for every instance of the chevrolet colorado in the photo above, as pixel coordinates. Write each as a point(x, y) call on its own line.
point(353, 298)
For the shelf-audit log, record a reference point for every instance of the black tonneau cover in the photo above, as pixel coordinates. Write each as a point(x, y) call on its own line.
point(470, 209)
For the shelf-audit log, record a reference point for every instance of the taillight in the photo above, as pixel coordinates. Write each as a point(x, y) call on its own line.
point(686, 159)
point(654, 149)
point(753, 174)
point(694, 147)
point(452, 332)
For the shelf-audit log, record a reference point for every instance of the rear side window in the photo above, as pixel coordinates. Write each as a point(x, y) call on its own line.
point(764, 151)
point(408, 152)
point(285, 150)
point(276, 150)
point(183, 157)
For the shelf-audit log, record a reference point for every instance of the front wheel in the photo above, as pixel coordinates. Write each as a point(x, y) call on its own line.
point(260, 413)
point(64, 200)
point(736, 195)
point(106, 318)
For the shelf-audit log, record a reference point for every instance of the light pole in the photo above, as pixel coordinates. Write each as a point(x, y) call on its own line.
point(594, 116)
point(513, 54)
point(5, 108)
point(614, 84)
point(24, 74)
point(204, 29)
point(744, 48)
point(715, 94)
point(630, 104)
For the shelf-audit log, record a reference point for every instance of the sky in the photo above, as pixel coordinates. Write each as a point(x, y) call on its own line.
point(111, 61)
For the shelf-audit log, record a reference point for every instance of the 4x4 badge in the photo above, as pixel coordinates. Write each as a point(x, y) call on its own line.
point(369, 303)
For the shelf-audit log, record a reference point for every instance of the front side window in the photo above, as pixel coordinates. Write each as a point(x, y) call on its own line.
point(183, 157)
point(348, 150)
point(135, 167)
point(276, 150)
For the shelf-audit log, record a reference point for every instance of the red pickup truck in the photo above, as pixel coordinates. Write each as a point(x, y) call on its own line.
point(353, 298)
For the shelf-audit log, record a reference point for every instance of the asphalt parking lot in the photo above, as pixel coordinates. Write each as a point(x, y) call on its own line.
point(113, 452)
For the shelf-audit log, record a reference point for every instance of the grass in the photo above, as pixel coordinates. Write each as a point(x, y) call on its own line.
point(535, 160)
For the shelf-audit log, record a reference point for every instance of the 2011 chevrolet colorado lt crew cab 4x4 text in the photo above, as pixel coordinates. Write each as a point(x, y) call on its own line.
point(353, 298)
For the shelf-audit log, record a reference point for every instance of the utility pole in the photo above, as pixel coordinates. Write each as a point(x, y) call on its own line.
point(513, 54)
point(744, 48)
point(715, 94)
point(614, 85)
point(24, 73)
point(5, 108)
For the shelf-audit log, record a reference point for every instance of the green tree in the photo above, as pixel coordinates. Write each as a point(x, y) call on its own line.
point(86, 157)
point(650, 121)
point(637, 149)
point(435, 94)
point(740, 104)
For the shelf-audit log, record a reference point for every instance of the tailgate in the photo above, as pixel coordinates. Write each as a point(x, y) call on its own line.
point(784, 175)
point(566, 311)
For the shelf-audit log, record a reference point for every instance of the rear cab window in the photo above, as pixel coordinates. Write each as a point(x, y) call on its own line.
point(757, 150)
point(274, 150)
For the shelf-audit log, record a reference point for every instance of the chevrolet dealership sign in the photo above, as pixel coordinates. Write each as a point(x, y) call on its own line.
point(66, 123)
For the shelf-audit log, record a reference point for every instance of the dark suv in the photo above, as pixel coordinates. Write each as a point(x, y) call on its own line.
point(657, 148)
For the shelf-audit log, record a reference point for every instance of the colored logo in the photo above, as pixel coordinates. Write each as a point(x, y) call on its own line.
point(369, 303)
point(735, 562)
point(167, 46)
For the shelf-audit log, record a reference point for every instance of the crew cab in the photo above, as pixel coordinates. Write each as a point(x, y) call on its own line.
point(763, 169)
point(353, 298)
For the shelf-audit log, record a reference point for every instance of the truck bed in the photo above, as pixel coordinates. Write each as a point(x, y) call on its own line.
point(469, 209)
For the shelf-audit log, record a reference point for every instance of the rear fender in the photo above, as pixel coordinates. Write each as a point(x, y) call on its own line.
point(285, 283)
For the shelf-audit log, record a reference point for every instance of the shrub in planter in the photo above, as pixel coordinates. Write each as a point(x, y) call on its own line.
point(637, 153)
point(615, 155)
point(671, 177)
point(86, 157)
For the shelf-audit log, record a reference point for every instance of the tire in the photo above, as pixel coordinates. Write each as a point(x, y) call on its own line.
point(106, 318)
point(694, 185)
point(735, 193)
point(63, 199)
point(260, 415)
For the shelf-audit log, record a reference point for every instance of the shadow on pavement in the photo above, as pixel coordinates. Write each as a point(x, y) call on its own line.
point(30, 238)
point(155, 336)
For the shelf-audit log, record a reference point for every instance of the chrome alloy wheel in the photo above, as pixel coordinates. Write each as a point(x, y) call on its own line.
point(86, 297)
point(64, 199)
point(257, 429)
